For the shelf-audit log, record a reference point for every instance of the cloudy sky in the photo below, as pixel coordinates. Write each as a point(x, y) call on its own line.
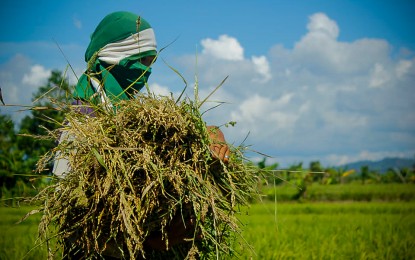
point(308, 80)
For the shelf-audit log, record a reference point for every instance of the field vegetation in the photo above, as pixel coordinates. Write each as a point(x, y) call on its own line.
point(278, 229)
point(335, 230)
point(342, 192)
point(18, 240)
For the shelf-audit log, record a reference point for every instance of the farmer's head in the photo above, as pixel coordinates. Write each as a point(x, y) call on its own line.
point(123, 44)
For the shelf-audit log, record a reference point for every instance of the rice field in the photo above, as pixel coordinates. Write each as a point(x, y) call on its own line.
point(342, 192)
point(312, 230)
point(17, 241)
point(335, 230)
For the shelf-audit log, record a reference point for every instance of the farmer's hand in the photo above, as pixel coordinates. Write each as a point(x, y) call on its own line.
point(219, 148)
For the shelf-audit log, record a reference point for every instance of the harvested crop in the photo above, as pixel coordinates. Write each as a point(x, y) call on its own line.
point(137, 170)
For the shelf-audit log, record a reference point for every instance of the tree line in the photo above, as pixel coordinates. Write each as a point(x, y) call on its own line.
point(19, 148)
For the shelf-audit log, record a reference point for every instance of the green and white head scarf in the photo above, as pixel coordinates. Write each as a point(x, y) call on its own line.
point(114, 70)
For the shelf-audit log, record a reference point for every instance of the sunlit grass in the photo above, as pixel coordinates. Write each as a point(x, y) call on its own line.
point(329, 230)
point(352, 192)
point(17, 241)
point(339, 230)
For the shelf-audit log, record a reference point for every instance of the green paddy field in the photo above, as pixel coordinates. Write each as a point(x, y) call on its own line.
point(375, 228)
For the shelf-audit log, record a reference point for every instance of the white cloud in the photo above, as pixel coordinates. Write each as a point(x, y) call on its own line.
point(320, 24)
point(320, 51)
point(257, 111)
point(262, 68)
point(324, 99)
point(403, 67)
point(15, 90)
point(37, 76)
point(380, 76)
point(11, 73)
point(226, 48)
point(77, 23)
point(160, 90)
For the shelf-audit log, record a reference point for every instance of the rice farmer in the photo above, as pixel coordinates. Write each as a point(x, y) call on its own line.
point(119, 57)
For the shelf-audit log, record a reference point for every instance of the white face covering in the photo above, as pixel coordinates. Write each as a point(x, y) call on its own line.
point(141, 42)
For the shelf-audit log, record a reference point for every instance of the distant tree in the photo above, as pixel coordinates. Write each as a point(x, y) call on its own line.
point(269, 173)
point(316, 170)
point(8, 150)
point(331, 175)
point(45, 115)
point(261, 164)
point(364, 173)
point(403, 174)
point(302, 179)
point(413, 168)
point(390, 176)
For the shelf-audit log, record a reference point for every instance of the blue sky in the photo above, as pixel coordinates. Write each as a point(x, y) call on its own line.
point(308, 80)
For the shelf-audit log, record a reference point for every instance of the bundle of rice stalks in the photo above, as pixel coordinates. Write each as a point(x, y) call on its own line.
point(137, 171)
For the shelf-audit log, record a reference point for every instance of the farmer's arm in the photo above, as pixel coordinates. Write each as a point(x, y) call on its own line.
point(220, 150)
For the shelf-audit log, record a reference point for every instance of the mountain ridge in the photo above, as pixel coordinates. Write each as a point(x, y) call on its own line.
point(381, 166)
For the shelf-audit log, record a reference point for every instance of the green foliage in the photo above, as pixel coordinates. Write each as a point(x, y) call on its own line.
point(343, 192)
point(45, 116)
point(356, 230)
point(404, 175)
point(315, 166)
point(329, 231)
point(20, 149)
point(8, 152)
point(364, 173)
point(267, 171)
point(18, 241)
point(302, 182)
